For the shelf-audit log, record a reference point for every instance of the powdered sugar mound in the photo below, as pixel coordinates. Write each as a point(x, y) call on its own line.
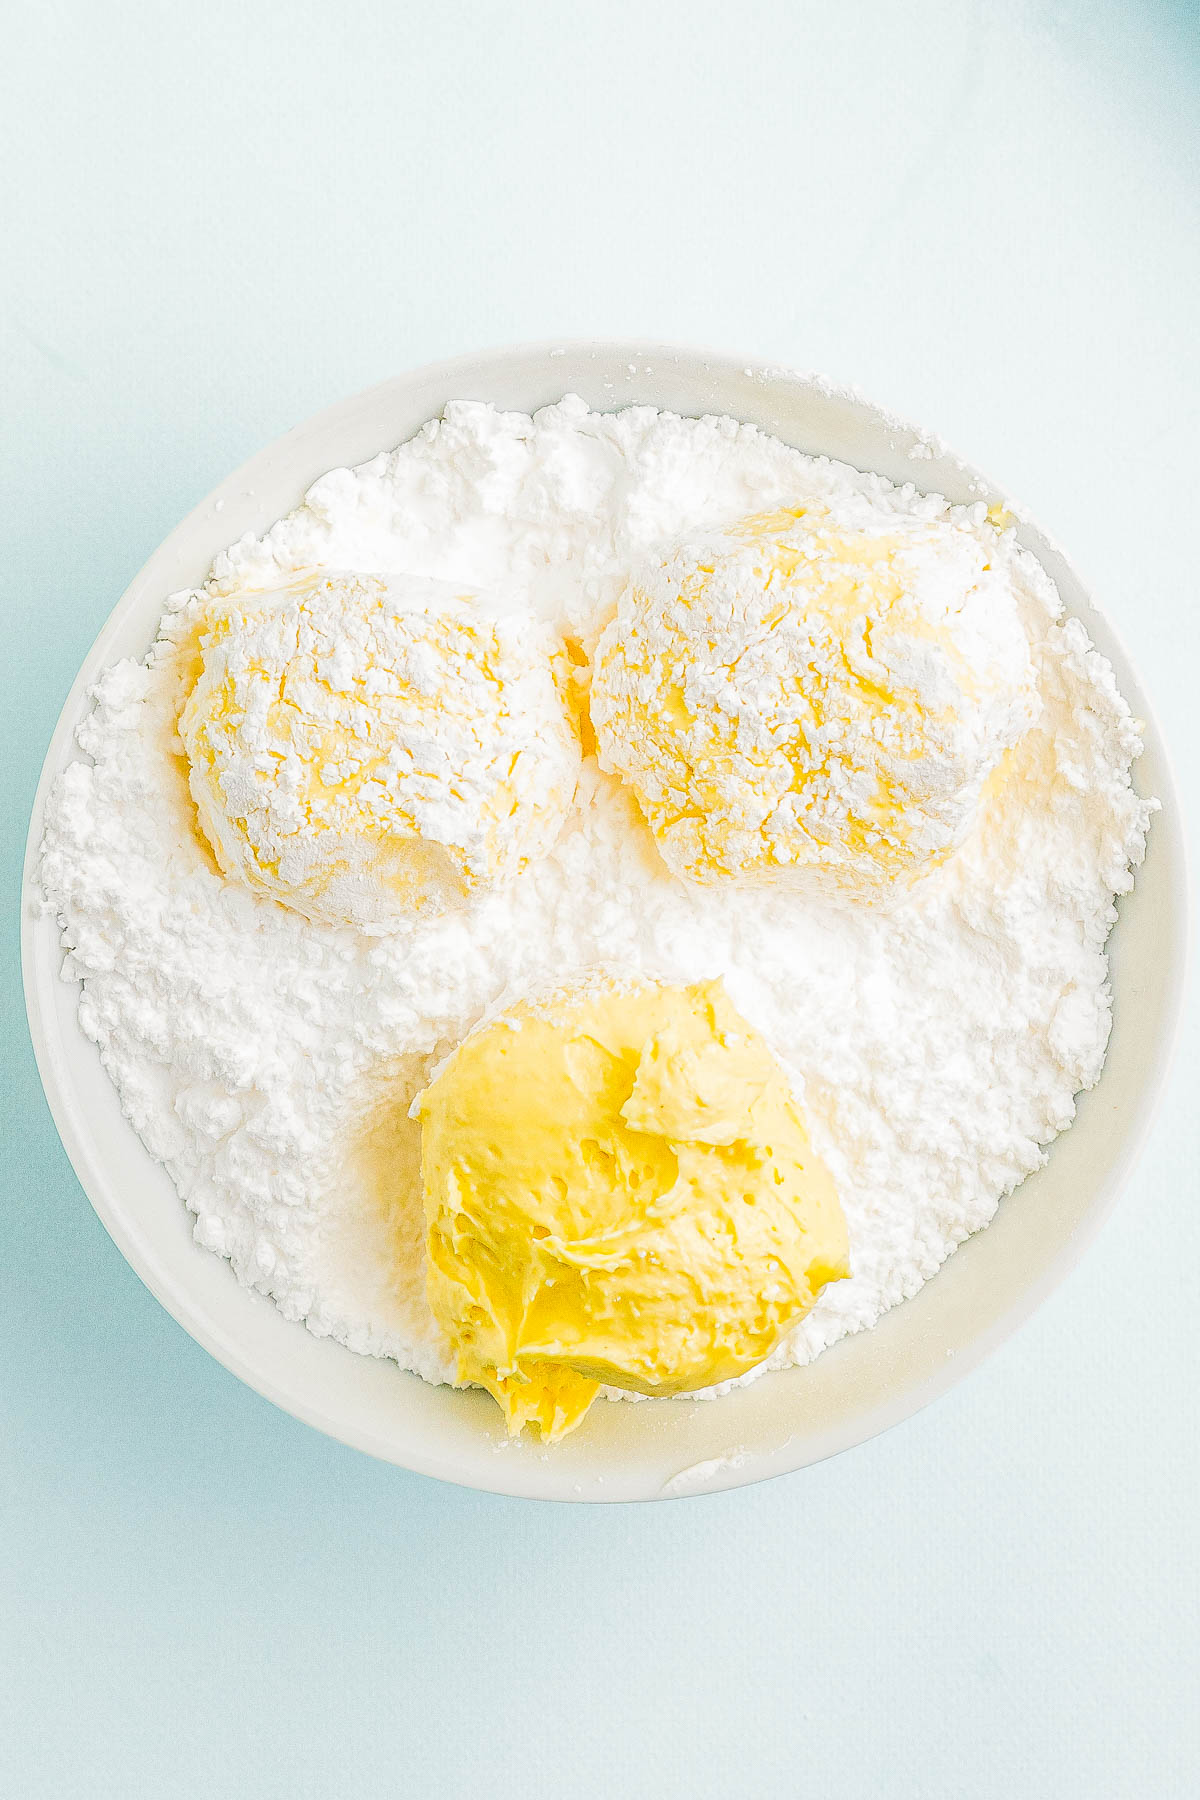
point(269, 1062)
point(774, 759)
point(363, 748)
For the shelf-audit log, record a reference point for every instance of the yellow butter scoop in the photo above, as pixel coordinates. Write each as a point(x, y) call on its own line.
point(619, 1190)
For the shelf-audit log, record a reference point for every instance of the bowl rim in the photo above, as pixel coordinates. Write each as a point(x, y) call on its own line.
point(71, 1123)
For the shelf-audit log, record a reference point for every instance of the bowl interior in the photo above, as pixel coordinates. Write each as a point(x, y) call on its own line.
point(785, 1420)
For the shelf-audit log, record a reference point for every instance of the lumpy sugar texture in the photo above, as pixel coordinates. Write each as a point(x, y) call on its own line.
point(366, 749)
point(795, 701)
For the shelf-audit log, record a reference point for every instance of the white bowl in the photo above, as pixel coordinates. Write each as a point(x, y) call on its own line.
point(865, 1383)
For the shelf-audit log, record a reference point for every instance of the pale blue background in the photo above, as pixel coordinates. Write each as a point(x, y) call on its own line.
point(220, 218)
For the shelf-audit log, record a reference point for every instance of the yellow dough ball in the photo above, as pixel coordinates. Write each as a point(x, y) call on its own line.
point(797, 700)
point(619, 1189)
point(364, 748)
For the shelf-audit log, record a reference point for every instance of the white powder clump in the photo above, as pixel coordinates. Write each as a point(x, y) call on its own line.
point(269, 1061)
point(363, 748)
point(808, 700)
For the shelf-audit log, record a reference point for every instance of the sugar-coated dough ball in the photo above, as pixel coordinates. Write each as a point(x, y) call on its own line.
point(799, 700)
point(364, 748)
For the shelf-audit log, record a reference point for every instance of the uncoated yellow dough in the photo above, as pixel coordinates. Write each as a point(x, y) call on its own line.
point(620, 1190)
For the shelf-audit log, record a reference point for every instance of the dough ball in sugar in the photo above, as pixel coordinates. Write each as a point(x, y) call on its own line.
point(803, 700)
point(619, 1189)
point(366, 748)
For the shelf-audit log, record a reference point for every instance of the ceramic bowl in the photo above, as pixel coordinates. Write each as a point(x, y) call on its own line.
point(666, 1448)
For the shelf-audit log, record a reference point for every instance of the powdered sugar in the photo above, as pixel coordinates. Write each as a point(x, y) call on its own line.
point(270, 1062)
point(363, 748)
point(740, 690)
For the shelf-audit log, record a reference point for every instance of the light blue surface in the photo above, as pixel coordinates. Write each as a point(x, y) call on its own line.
point(216, 221)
